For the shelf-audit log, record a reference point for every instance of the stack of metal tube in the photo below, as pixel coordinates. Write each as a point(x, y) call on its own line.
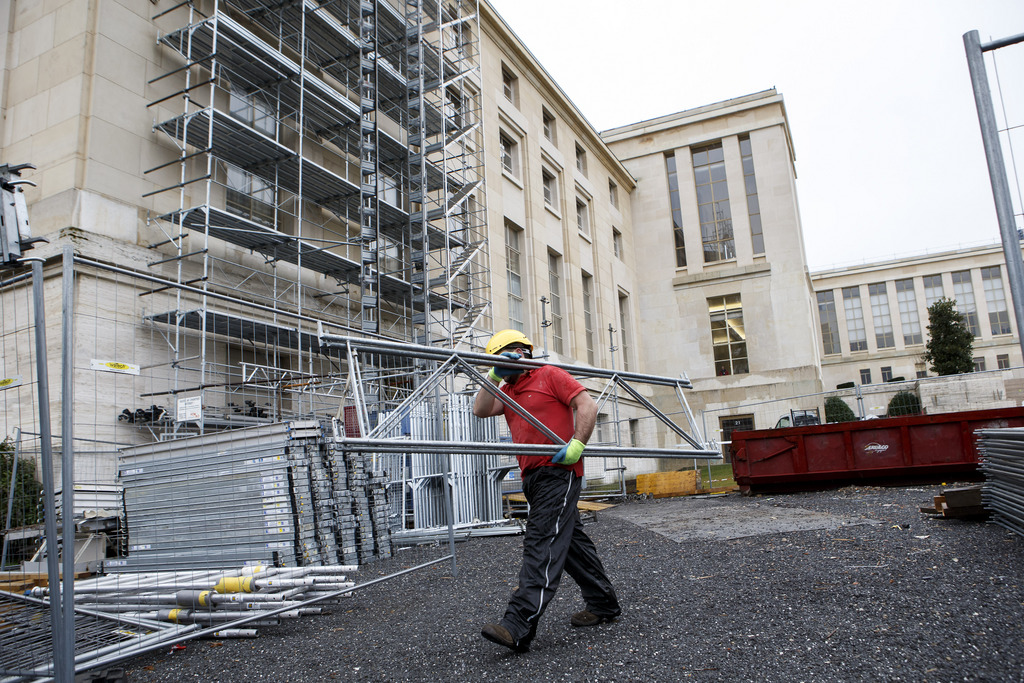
point(210, 598)
point(1002, 460)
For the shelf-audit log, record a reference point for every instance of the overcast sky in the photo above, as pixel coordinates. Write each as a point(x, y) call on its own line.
point(889, 156)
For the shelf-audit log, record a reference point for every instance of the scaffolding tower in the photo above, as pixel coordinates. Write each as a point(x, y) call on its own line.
point(330, 171)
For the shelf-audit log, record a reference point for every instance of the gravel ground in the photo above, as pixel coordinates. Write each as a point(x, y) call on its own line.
point(879, 592)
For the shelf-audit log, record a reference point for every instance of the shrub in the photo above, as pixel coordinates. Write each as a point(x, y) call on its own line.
point(836, 410)
point(903, 403)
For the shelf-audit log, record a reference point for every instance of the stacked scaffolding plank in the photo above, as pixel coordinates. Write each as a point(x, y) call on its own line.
point(1001, 452)
point(276, 494)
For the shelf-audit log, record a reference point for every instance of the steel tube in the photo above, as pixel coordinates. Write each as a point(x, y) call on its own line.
point(409, 350)
point(63, 652)
point(501, 448)
point(997, 175)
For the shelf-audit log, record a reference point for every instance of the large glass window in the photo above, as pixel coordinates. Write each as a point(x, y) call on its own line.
point(880, 315)
point(713, 203)
point(555, 289)
point(514, 273)
point(677, 213)
point(588, 315)
point(995, 298)
point(624, 329)
point(728, 337)
point(932, 289)
point(829, 323)
point(909, 319)
point(963, 290)
point(753, 206)
point(855, 329)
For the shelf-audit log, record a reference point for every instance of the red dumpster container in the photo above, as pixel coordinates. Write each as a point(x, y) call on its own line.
point(887, 450)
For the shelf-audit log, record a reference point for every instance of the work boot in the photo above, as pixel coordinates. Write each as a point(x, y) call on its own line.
point(496, 633)
point(588, 618)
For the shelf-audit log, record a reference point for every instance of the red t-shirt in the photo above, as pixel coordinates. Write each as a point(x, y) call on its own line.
point(545, 393)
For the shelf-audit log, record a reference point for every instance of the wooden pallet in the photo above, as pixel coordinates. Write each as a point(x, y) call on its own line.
point(958, 503)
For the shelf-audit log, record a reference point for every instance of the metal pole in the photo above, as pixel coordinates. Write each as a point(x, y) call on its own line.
point(67, 452)
point(544, 324)
point(997, 171)
point(61, 651)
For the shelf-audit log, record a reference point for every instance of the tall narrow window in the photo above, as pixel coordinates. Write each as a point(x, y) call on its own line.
point(1003, 361)
point(617, 243)
point(582, 217)
point(854, 319)
point(454, 108)
point(829, 323)
point(550, 131)
point(865, 376)
point(963, 290)
point(510, 85)
point(624, 330)
point(509, 155)
point(613, 194)
point(880, 315)
point(995, 297)
point(979, 364)
point(753, 206)
point(581, 160)
point(514, 273)
point(886, 373)
point(909, 319)
point(634, 433)
point(713, 203)
point(588, 315)
point(677, 213)
point(728, 337)
point(555, 289)
point(932, 289)
point(550, 183)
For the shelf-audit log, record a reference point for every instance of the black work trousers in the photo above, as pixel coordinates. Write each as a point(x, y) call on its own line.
point(554, 541)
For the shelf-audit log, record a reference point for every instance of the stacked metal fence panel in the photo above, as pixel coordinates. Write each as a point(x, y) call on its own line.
point(276, 494)
point(1002, 461)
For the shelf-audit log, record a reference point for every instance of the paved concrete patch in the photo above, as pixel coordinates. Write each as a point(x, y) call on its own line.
point(712, 519)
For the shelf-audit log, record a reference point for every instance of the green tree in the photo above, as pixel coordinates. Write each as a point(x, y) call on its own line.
point(26, 488)
point(950, 347)
point(903, 403)
point(836, 410)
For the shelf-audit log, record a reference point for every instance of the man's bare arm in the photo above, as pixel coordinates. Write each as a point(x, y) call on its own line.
point(586, 415)
point(486, 405)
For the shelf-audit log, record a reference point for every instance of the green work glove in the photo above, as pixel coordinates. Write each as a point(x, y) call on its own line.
point(570, 453)
point(497, 374)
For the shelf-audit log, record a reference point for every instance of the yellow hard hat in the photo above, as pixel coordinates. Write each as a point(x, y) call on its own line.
point(502, 339)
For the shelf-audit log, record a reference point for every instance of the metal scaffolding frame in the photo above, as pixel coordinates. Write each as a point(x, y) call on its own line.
point(341, 144)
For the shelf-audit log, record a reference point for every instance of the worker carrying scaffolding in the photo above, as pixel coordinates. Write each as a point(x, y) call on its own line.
point(436, 453)
point(561, 409)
